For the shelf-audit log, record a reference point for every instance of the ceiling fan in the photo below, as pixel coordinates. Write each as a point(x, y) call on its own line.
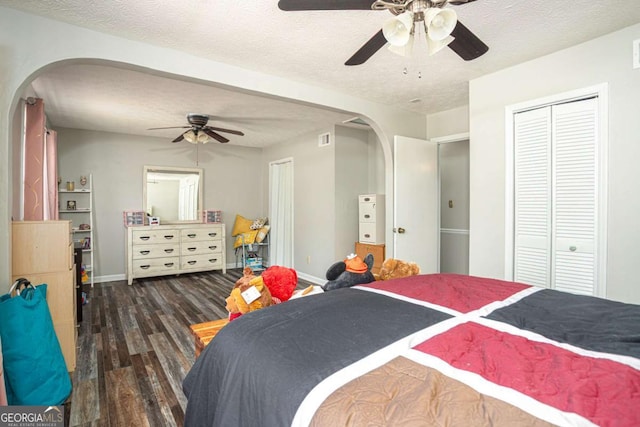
point(199, 131)
point(439, 22)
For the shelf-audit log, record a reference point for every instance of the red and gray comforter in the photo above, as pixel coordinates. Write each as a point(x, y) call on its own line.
point(445, 350)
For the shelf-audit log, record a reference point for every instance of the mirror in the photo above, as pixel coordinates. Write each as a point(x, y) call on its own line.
point(172, 194)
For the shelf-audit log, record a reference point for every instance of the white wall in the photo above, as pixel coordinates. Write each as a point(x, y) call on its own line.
point(232, 177)
point(607, 59)
point(31, 43)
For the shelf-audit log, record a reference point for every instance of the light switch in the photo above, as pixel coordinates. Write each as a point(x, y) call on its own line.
point(450, 203)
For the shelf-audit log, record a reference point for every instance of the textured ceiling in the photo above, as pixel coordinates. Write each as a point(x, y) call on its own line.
point(303, 46)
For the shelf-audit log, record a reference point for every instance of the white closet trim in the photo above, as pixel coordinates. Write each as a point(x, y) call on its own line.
point(601, 92)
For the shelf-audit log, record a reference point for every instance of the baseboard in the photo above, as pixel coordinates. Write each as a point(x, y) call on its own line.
point(312, 279)
point(109, 278)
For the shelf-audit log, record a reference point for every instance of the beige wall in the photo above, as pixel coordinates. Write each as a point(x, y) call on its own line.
point(232, 177)
point(327, 181)
point(607, 59)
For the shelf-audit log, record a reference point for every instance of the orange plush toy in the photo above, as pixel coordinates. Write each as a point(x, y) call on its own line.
point(393, 268)
point(247, 276)
point(248, 297)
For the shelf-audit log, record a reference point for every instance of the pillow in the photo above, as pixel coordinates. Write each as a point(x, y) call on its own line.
point(258, 223)
point(242, 225)
point(249, 238)
point(262, 233)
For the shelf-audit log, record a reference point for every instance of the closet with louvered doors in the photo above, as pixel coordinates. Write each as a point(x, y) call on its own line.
point(557, 196)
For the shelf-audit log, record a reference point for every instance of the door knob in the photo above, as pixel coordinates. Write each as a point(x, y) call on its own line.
point(400, 230)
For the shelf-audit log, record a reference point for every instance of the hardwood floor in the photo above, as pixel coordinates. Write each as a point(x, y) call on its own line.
point(135, 347)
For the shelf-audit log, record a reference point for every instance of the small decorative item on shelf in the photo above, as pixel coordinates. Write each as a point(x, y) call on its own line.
point(59, 181)
point(86, 243)
point(71, 185)
point(83, 181)
point(84, 227)
point(133, 218)
point(71, 205)
point(154, 220)
point(212, 216)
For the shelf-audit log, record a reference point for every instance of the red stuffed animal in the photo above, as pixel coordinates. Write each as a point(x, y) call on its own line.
point(281, 282)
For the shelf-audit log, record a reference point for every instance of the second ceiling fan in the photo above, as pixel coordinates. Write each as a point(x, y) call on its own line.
point(199, 131)
point(440, 24)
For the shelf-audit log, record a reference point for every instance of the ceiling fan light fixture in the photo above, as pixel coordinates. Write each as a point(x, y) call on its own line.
point(202, 137)
point(398, 29)
point(406, 50)
point(440, 23)
point(190, 136)
point(435, 46)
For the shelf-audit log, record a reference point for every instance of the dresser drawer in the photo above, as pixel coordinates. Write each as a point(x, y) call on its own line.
point(367, 212)
point(211, 261)
point(155, 251)
point(202, 247)
point(150, 266)
point(368, 232)
point(201, 234)
point(151, 236)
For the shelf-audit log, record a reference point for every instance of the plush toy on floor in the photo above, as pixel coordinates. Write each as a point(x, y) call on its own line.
point(350, 272)
point(248, 297)
point(393, 268)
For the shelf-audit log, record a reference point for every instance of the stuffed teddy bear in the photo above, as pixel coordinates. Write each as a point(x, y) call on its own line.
point(281, 281)
point(393, 268)
point(350, 272)
point(247, 276)
point(239, 304)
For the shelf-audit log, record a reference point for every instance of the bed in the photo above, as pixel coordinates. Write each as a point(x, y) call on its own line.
point(442, 349)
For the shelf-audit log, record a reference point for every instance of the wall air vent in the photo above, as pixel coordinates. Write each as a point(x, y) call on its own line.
point(324, 139)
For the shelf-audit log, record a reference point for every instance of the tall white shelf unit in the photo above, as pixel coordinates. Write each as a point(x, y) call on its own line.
point(82, 214)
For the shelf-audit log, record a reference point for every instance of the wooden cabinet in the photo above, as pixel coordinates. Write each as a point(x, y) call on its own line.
point(42, 252)
point(159, 250)
point(362, 249)
point(371, 219)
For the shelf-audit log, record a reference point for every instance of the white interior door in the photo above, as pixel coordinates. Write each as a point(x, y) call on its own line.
point(281, 212)
point(416, 204)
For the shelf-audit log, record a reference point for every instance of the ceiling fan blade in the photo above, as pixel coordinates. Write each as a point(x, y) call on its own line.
point(367, 50)
point(460, 2)
point(295, 5)
point(235, 132)
point(466, 44)
point(180, 138)
point(215, 135)
point(171, 127)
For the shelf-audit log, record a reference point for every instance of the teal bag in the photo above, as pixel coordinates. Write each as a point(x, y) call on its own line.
point(35, 372)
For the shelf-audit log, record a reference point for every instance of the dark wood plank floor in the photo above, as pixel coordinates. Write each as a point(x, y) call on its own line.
point(135, 347)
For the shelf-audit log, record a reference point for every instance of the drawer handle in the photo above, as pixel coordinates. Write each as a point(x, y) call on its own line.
point(145, 238)
point(213, 260)
point(191, 262)
point(168, 250)
point(168, 264)
point(168, 236)
point(144, 252)
point(191, 249)
point(573, 248)
point(367, 216)
point(144, 267)
point(191, 236)
point(366, 199)
point(213, 234)
point(213, 248)
point(367, 235)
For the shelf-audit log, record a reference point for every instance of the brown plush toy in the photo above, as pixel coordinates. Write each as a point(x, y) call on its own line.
point(239, 304)
point(247, 276)
point(393, 268)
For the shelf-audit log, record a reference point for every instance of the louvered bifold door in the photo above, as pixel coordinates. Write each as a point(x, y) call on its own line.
point(574, 136)
point(532, 197)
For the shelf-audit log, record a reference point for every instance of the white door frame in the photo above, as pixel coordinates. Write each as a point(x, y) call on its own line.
point(601, 92)
point(458, 137)
point(292, 242)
